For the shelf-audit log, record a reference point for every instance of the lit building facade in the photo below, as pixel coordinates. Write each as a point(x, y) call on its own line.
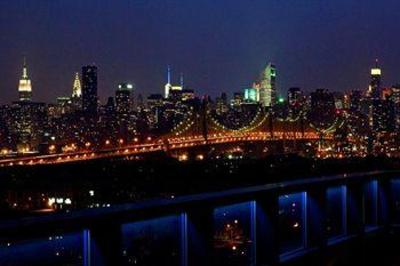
point(295, 101)
point(170, 89)
point(25, 85)
point(374, 89)
point(89, 89)
point(267, 86)
point(251, 95)
point(323, 109)
point(123, 98)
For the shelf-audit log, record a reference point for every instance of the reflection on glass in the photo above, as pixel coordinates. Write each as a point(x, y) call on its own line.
point(60, 250)
point(370, 204)
point(395, 188)
point(336, 212)
point(151, 242)
point(292, 222)
point(233, 234)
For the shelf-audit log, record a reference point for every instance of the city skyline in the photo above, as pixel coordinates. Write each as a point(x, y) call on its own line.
point(169, 81)
point(224, 55)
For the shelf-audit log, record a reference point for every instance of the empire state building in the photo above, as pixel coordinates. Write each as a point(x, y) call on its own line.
point(25, 86)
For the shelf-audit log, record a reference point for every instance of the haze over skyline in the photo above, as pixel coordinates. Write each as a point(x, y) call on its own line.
point(218, 45)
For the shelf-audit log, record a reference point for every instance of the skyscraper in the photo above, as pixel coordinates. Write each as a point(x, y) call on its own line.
point(172, 89)
point(295, 100)
point(355, 100)
point(89, 89)
point(374, 89)
point(25, 86)
point(168, 85)
point(123, 98)
point(250, 95)
point(76, 88)
point(267, 86)
point(376, 104)
point(322, 113)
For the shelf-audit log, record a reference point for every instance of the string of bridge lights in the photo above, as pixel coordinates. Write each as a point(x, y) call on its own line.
point(187, 123)
point(249, 127)
point(178, 130)
point(329, 129)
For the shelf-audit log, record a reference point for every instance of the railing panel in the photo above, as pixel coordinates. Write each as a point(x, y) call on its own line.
point(292, 227)
point(370, 205)
point(152, 242)
point(234, 242)
point(336, 210)
point(395, 196)
point(62, 249)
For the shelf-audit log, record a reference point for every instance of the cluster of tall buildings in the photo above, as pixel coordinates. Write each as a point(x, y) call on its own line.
point(370, 118)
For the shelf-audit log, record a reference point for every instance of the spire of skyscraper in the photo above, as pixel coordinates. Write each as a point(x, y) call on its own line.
point(25, 70)
point(181, 80)
point(168, 74)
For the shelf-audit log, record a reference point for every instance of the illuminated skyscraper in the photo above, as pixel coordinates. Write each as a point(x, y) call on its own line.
point(374, 89)
point(251, 95)
point(376, 105)
point(396, 102)
point(169, 87)
point(25, 86)
point(76, 88)
point(267, 86)
point(89, 89)
point(123, 98)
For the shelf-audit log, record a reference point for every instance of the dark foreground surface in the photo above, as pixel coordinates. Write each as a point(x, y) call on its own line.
point(344, 219)
point(376, 249)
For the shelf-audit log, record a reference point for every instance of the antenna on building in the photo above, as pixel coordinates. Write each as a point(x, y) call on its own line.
point(25, 68)
point(182, 80)
point(169, 74)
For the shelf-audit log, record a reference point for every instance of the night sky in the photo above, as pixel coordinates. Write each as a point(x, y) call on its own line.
point(220, 45)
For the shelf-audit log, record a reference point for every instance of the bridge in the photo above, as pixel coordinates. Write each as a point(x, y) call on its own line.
point(312, 221)
point(199, 129)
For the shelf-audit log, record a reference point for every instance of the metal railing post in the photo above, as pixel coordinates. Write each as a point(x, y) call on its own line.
point(267, 245)
point(200, 233)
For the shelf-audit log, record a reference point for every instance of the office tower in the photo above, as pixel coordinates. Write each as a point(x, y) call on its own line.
point(27, 124)
point(267, 86)
point(76, 99)
point(76, 88)
point(25, 86)
point(89, 89)
point(383, 115)
point(374, 89)
point(376, 104)
point(187, 95)
point(295, 101)
point(322, 108)
point(172, 90)
point(237, 100)
point(355, 100)
point(221, 104)
point(340, 99)
point(251, 95)
point(123, 99)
